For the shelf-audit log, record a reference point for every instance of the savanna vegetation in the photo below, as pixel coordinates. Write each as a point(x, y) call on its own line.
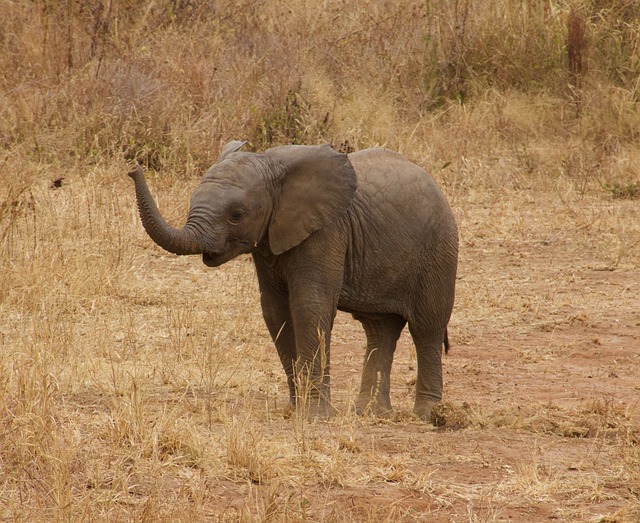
point(139, 386)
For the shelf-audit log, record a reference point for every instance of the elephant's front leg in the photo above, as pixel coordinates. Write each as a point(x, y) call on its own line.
point(313, 309)
point(275, 309)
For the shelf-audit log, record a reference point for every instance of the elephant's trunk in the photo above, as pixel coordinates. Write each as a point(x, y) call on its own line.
point(169, 238)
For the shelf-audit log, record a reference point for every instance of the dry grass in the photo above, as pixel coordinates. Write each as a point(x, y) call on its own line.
point(138, 386)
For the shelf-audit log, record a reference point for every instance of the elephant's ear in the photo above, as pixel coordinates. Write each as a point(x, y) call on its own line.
point(317, 186)
point(231, 147)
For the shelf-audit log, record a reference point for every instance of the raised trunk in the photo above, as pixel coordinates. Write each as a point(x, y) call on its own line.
point(169, 238)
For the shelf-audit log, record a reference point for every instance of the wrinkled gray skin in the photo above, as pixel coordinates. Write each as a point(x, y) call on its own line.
point(369, 233)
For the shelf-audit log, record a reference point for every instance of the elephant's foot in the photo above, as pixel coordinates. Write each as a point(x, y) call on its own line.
point(374, 406)
point(424, 409)
point(316, 408)
point(322, 411)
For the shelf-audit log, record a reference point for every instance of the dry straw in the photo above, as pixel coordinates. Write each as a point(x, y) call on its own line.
point(135, 385)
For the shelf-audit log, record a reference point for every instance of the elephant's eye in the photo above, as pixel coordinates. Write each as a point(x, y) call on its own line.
point(236, 216)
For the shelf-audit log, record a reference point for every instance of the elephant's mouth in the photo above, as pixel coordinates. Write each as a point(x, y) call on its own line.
point(230, 250)
point(211, 259)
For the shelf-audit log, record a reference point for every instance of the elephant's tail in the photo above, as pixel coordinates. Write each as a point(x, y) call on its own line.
point(446, 341)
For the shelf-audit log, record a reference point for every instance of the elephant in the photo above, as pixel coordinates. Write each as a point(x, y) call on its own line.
point(369, 233)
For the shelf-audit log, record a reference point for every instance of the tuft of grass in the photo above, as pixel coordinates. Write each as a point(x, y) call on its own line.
point(624, 191)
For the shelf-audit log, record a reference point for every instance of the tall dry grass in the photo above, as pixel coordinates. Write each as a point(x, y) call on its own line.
point(169, 82)
point(138, 386)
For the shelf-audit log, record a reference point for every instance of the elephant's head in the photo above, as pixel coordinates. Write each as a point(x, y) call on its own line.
point(281, 196)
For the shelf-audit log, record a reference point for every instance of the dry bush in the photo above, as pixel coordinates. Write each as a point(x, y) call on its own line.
point(169, 82)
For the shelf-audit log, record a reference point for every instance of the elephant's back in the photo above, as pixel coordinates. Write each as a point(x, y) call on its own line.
point(396, 187)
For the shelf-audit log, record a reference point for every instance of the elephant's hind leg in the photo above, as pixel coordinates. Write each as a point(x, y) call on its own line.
point(382, 333)
point(428, 344)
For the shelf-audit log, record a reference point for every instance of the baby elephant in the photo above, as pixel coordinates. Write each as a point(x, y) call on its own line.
point(369, 233)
